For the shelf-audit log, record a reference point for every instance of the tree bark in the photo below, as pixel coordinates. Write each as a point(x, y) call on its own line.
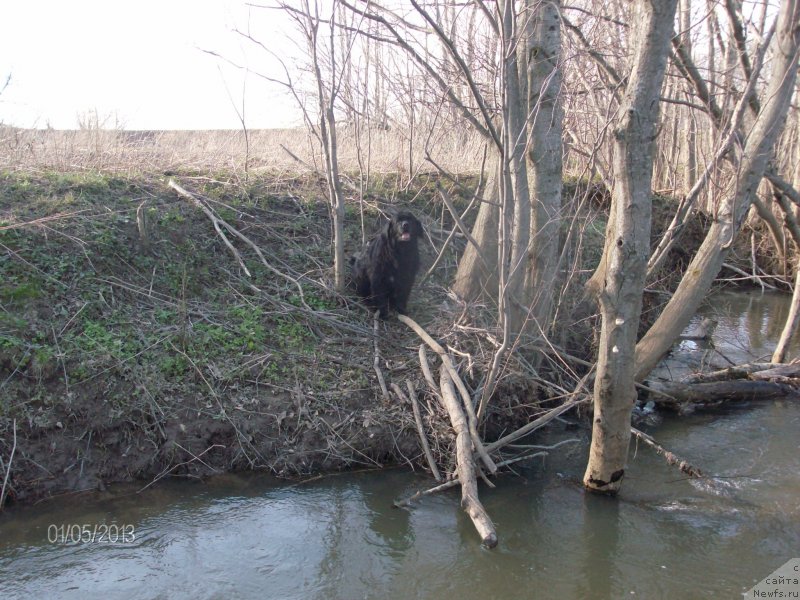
point(517, 201)
point(619, 281)
point(465, 466)
point(706, 264)
point(474, 279)
point(545, 156)
point(686, 397)
point(791, 323)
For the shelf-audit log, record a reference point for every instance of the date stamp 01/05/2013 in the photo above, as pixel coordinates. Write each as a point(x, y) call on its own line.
point(91, 533)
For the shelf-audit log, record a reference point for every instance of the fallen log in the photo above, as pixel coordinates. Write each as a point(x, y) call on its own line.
point(778, 373)
point(746, 370)
point(684, 397)
point(465, 466)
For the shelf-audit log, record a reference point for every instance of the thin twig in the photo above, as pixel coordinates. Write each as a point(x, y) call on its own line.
point(412, 395)
point(376, 359)
point(460, 224)
point(444, 486)
point(61, 358)
point(454, 482)
point(218, 221)
point(534, 425)
point(748, 277)
point(167, 471)
point(459, 220)
point(214, 220)
point(72, 318)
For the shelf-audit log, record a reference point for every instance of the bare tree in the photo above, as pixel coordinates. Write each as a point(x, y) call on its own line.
point(326, 97)
point(618, 282)
point(762, 137)
point(790, 326)
point(545, 157)
point(327, 80)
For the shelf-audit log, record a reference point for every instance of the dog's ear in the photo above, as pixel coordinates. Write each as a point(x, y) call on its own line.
point(386, 228)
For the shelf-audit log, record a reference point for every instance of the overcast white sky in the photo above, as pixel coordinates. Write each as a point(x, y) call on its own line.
point(140, 61)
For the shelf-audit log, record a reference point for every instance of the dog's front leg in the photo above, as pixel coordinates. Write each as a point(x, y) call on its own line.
point(380, 299)
point(401, 293)
point(399, 302)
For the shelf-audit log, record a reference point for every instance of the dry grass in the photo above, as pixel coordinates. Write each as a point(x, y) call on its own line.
point(121, 151)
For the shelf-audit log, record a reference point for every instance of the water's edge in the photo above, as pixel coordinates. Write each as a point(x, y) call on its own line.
point(339, 537)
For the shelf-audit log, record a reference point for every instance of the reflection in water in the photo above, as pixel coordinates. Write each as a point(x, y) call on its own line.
point(340, 538)
point(601, 533)
point(253, 537)
point(750, 323)
point(748, 327)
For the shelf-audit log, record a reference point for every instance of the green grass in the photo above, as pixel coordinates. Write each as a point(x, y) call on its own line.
point(84, 304)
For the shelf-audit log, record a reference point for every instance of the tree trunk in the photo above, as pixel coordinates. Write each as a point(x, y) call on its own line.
point(545, 156)
point(619, 281)
point(517, 201)
point(690, 137)
point(476, 278)
point(337, 203)
point(327, 134)
point(706, 264)
point(791, 323)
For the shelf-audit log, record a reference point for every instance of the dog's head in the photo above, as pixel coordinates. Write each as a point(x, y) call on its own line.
point(403, 227)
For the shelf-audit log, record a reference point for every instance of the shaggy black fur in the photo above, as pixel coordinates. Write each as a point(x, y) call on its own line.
point(384, 271)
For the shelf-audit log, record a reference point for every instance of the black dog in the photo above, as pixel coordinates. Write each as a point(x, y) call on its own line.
point(384, 271)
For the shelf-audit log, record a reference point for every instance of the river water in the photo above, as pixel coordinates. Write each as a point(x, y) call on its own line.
point(339, 537)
